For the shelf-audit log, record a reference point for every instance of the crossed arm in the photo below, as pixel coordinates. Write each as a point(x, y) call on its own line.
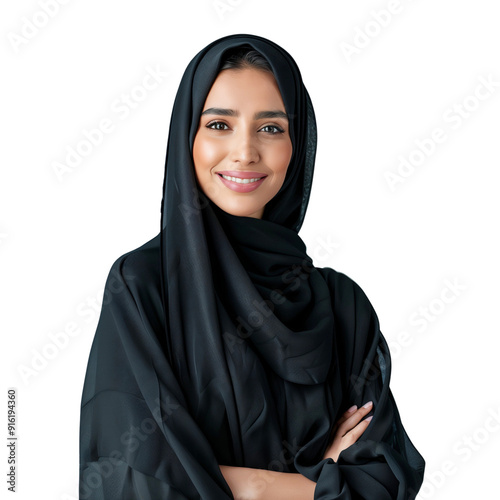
point(259, 484)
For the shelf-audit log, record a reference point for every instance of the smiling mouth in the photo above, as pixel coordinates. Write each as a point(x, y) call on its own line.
point(241, 180)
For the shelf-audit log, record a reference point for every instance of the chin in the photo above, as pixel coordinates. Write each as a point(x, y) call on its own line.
point(241, 211)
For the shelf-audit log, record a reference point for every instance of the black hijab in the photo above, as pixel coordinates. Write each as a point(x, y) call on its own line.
point(225, 345)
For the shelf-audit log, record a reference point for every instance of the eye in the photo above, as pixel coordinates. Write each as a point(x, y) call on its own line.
point(272, 129)
point(217, 126)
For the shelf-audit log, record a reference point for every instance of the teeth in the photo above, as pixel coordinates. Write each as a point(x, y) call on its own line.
point(241, 181)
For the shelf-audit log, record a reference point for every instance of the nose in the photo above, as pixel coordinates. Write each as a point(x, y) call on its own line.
point(244, 149)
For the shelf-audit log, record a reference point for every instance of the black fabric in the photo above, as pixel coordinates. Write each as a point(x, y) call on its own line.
point(220, 342)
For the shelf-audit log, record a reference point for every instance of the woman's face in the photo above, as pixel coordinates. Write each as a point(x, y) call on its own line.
point(242, 148)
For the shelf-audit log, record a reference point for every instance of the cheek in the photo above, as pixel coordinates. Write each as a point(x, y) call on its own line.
point(206, 153)
point(281, 158)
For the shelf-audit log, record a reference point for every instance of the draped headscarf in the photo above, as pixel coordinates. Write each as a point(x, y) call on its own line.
point(224, 344)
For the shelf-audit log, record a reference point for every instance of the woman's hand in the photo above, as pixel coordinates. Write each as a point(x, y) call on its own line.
point(348, 429)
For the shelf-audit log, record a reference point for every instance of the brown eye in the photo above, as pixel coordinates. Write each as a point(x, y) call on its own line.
point(217, 126)
point(272, 129)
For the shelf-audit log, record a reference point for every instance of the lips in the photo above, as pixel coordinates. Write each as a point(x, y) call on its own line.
point(242, 182)
point(242, 174)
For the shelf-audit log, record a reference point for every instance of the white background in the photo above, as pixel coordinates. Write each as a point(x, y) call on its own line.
point(375, 95)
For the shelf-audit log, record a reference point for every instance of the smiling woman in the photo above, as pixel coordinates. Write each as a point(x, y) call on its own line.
point(242, 142)
point(228, 365)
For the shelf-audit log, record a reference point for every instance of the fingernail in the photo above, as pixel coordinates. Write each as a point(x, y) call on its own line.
point(351, 409)
point(366, 405)
point(368, 419)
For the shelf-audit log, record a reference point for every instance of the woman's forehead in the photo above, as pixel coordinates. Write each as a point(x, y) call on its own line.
point(237, 89)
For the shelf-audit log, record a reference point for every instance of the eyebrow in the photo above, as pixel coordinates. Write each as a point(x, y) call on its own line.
point(257, 116)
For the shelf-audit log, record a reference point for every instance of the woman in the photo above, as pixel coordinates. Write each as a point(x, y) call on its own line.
point(225, 365)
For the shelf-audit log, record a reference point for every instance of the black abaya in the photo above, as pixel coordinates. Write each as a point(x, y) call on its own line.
point(219, 341)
